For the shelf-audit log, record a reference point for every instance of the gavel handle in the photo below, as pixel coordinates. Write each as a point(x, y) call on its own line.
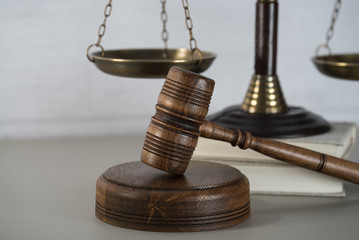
point(302, 157)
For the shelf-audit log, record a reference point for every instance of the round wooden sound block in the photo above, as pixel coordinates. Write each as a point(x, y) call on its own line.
point(208, 196)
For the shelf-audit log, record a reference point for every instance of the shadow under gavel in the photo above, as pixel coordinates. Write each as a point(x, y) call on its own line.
point(179, 120)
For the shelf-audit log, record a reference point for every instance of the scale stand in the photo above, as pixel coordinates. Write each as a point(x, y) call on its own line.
point(264, 111)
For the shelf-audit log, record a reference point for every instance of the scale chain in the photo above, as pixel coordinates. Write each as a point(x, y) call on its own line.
point(101, 31)
point(189, 25)
point(335, 15)
point(330, 32)
point(164, 33)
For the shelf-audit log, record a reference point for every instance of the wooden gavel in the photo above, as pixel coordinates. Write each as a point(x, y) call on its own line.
point(179, 120)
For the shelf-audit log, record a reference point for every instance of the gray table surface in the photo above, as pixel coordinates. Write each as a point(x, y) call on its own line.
point(47, 191)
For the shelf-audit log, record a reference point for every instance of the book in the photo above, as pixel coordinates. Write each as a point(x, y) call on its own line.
point(270, 176)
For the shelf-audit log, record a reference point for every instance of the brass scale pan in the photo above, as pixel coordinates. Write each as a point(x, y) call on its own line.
point(149, 63)
point(344, 66)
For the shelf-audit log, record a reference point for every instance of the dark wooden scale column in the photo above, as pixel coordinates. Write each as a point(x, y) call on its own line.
point(264, 111)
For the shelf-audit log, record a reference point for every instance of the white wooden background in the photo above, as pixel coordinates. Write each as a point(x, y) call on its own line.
point(48, 88)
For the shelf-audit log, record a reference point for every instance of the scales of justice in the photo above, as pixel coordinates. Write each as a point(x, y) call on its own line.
point(202, 195)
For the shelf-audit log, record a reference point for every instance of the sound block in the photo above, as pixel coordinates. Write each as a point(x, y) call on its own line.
point(295, 122)
point(208, 196)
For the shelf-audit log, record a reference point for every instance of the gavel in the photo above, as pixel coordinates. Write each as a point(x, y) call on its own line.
point(179, 120)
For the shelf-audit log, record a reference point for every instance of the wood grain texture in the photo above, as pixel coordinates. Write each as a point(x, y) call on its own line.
point(208, 196)
point(173, 132)
point(302, 157)
point(182, 106)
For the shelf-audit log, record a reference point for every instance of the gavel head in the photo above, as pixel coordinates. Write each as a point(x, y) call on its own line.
point(174, 130)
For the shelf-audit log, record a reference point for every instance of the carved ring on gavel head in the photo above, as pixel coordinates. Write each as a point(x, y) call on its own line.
point(179, 120)
point(174, 130)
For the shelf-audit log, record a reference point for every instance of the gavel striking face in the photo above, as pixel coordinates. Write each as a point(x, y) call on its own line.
point(179, 120)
